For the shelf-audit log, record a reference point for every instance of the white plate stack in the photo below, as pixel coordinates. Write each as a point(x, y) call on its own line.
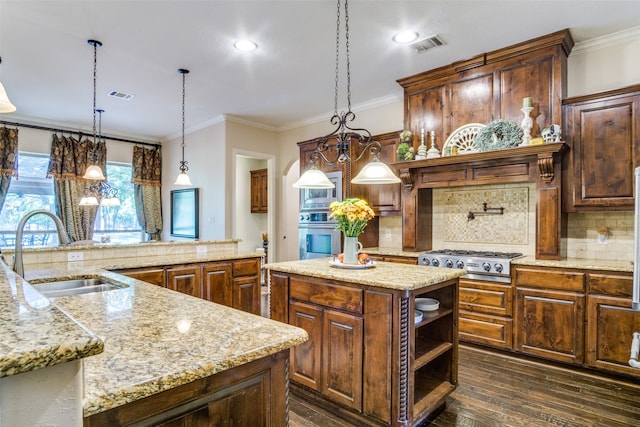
point(427, 304)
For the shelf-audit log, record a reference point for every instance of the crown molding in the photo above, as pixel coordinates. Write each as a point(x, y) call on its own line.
point(608, 40)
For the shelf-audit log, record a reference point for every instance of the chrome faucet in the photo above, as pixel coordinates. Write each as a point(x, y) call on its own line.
point(63, 237)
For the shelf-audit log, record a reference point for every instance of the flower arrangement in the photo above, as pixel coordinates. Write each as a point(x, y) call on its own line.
point(405, 136)
point(352, 215)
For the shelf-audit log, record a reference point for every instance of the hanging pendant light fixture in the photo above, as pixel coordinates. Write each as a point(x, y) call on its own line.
point(183, 178)
point(93, 171)
point(5, 105)
point(375, 172)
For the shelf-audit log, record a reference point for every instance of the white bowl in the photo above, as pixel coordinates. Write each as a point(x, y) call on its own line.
point(427, 304)
point(417, 316)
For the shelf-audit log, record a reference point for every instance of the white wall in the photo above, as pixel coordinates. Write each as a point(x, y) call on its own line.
point(252, 224)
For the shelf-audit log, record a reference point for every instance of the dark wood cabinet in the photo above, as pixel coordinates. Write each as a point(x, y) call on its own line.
point(366, 358)
point(234, 283)
point(384, 199)
point(186, 279)
point(395, 258)
point(611, 322)
point(308, 147)
point(486, 310)
point(259, 191)
point(603, 131)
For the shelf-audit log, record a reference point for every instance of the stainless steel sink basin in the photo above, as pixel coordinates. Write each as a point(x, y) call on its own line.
point(75, 287)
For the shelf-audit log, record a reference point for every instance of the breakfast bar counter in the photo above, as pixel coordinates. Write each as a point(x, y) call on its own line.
point(155, 346)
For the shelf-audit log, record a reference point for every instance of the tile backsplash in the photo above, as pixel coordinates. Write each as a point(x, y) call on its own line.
point(514, 231)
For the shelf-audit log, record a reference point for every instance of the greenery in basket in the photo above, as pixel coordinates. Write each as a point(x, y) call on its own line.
point(352, 216)
point(498, 135)
point(405, 152)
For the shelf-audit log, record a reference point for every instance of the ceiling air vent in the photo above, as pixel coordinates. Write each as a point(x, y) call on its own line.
point(120, 95)
point(427, 43)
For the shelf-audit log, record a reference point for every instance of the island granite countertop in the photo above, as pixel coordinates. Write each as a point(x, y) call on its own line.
point(383, 274)
point(154, 339)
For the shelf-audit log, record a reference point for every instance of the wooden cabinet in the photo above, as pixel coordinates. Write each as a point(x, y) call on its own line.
point(611, 322)
point(153, 275)
point(308, 147)
point(603, 131)
point(550, 313)
point(384, 199)
point(484, 88)
point(486, 310)
point(395, 258)
point(234, 283)
point(259, 191)
point(366, 359)
point(186, 279)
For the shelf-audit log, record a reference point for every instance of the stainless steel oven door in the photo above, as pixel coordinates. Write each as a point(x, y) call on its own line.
point(319, 241)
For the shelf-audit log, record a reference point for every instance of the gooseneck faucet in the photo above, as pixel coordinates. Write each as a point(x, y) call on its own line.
point(63, 237)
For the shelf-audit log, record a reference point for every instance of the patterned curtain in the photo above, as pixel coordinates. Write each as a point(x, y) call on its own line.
point(8, 160)
point(68, 161)
point(147, 168)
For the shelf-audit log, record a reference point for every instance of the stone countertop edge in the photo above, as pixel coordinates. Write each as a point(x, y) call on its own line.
point(388, 275)
point(579, 263)
point(35, 333)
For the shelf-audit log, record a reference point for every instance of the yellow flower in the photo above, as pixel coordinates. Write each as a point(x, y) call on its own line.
point(352, 216)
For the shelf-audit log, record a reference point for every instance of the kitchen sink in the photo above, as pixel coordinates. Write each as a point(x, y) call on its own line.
point(76, 287)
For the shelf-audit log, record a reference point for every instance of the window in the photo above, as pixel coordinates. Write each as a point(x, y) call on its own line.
point(32, 190)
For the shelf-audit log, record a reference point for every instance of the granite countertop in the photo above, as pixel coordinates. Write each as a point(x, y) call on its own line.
point(36, 334)
point(585, 264)
point(154, 339)
point(388, 275)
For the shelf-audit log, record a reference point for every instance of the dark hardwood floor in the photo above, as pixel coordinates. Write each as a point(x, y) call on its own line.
point(501, 390)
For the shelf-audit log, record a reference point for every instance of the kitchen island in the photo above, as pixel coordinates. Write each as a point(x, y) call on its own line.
point(371, 357)
point(162, 355)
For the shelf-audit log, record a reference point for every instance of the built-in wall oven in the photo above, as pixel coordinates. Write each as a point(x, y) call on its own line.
point(318, 235)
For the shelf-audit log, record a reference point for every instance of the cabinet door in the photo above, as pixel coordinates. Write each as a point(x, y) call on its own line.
point(279, 305)
point(216, 283)
point(427, 108)
point(153, 275)
point(305, 357)
point(308, 147)
point(550, 324)
point(185, 279)
point(610, 326)
point(259, 194)
point(246, 294)
point(604, 133)
point(342, 358)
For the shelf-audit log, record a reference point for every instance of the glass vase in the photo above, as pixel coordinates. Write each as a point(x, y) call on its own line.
point(351, 249)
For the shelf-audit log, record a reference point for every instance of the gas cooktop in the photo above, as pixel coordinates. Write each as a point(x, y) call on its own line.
point(479, 264)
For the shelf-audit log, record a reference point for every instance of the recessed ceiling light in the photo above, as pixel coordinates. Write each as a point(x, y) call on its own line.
point(245, 45)
point(404, 37)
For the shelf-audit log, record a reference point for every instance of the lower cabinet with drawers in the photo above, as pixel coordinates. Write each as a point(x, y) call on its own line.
point(234, 283)
point(576, 316)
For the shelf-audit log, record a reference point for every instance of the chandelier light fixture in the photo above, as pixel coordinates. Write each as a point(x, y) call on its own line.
point(183, 178)
point(5, 105)
point(101, 192)
point(93, 171)
point(374, 172)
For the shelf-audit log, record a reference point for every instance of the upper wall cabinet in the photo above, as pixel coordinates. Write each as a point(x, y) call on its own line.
point(603, 131)
point(259, 191)
point(491, 86)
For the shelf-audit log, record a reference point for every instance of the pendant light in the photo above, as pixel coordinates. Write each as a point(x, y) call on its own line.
point(5, 105)
point(375, 172)
point(183, 178)
point(93, 171)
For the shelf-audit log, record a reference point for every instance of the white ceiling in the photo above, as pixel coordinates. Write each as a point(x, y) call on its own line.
point(47, 64)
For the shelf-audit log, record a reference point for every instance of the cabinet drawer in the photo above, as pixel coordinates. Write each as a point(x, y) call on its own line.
point(246, 267)
point(611, 284)
point(335, 296)
point(548, 279)
point(495, 331)
point(486, 298)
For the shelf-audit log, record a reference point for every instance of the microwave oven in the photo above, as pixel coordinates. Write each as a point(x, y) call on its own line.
point(321, 198)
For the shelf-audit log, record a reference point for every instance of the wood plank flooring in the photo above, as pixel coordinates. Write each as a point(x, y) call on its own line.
point(501, 390)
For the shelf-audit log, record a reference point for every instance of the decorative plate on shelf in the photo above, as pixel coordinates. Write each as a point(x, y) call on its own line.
point(338, 264)
point(463, 138)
